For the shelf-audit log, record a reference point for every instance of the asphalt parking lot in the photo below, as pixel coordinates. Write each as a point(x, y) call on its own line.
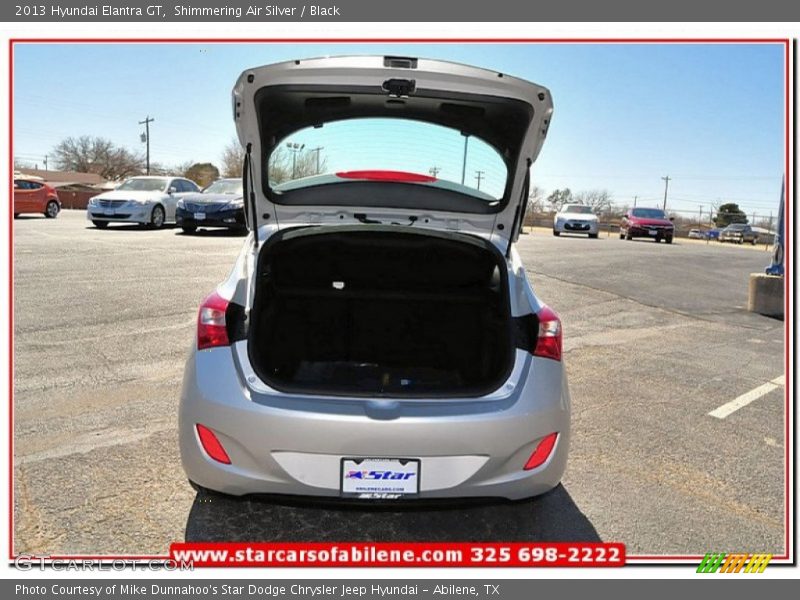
point(656, 337)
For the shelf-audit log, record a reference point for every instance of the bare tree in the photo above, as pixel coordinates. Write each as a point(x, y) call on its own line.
point(97, 155)
point(535, 199)
point(559, 198)
point(598, 200)
point(232, 159)
point(284, 165)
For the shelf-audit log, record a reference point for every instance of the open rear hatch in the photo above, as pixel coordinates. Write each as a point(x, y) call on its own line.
point(432, 143)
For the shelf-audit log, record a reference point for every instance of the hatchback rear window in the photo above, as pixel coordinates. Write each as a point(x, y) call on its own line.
point(389, 149)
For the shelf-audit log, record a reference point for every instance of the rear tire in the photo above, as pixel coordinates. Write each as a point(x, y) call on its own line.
point(628, 236)
point(754, 242)
point(668, 240)
point(100, 224)
point(52, 209)
point(189, 229)
point(593, 236)
point(621, 235)
point(157, 217)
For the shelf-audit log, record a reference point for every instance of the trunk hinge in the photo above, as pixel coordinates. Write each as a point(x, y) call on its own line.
point(249, 192)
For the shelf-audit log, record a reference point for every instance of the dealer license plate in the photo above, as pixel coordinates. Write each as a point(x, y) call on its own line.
point(199, 216)
point(653, 232)
point(379, 478)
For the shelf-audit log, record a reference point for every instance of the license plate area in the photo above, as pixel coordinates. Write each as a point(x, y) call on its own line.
point(200, 216)
point(653, 232)
point(379, 478)
point(109, 212)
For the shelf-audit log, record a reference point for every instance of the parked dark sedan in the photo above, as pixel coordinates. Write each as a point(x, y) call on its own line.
point(219, 205)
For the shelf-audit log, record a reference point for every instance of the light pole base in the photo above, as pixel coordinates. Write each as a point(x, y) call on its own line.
point(765, 295)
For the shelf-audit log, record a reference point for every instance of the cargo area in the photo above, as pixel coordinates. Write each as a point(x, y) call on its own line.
point(379, 310)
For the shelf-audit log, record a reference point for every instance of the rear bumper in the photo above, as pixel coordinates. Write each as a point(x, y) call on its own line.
point(293, 444)
point(233, 219)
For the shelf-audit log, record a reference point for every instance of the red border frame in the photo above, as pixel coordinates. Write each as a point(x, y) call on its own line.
point(788, 208)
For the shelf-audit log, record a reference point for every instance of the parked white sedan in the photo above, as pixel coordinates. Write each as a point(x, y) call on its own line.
point(575, 218)
point(144, 200)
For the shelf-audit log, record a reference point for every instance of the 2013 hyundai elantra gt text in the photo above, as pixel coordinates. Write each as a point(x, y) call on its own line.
point(377, 338)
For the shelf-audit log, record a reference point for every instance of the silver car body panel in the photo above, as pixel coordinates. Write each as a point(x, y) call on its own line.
point(294, 442)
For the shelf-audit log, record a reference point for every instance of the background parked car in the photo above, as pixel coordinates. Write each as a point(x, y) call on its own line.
point(646, 222)
point(144, 200)
point(221, 204)
point(698, 234)
point(31, 196)
point(738, 233)
point(575, 218)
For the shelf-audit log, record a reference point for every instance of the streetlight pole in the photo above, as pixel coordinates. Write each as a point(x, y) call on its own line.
point(478, 177)
point(146, 124)
point(464, 162)
point(295, 149)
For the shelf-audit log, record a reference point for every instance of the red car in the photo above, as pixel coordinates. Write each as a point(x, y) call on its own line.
point(646, 222)
point(31, 196)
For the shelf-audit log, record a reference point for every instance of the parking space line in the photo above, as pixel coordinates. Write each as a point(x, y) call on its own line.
point(731, 407)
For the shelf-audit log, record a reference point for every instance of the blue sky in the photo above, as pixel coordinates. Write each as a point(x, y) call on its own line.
point(709, 116)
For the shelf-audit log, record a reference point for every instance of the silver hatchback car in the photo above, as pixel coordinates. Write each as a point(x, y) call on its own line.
point(377, 338)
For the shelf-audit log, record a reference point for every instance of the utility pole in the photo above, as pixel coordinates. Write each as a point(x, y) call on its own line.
point(434, 171)
point(317, 150)
point(146, 136)
point(464, 162)
point(45, 162)
point(635, 198)
point(700, 219)
point(479, 176)
point(666, 187)
point(295, 149)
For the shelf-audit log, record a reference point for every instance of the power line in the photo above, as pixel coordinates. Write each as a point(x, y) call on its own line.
point(317, 151)
point(478, 177)
point(666, 187)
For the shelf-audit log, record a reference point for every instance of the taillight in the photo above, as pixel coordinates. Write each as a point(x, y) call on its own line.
point(211, 328)
point(212, 445)
point(548, 338)
point(542, 452)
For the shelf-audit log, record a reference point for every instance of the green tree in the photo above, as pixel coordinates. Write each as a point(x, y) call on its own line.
point(202, 174)
point(729, 213)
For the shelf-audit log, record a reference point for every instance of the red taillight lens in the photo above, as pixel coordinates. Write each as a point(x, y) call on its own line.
point(212, 445)
point(542, 451)
point(548, 338)
point(211, 328)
